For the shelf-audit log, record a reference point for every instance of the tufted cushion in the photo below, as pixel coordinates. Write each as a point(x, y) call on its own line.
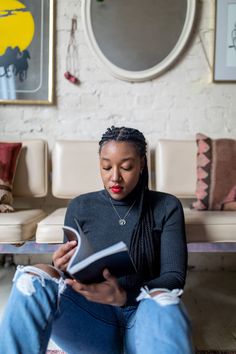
point(9, 154)
point(216, 174)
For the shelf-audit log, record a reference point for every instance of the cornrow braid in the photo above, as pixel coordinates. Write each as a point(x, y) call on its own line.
point(142, 243)
point(125, 134)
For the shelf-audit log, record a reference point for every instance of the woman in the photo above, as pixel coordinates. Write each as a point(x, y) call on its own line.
point(134, 314)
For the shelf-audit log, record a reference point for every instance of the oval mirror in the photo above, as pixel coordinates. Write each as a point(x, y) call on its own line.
point(137, 40)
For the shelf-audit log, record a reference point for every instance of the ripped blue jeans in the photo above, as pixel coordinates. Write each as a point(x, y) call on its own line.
point(41, 307)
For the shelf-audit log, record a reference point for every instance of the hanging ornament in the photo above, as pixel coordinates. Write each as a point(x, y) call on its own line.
point(72, 66)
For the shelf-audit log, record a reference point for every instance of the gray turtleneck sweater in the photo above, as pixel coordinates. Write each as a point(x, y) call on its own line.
point(100, 223)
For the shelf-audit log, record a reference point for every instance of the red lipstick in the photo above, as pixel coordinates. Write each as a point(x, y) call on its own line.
point(116, 189)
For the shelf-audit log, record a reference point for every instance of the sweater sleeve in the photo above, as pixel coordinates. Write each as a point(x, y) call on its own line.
point(173, 248)
point(72, 213)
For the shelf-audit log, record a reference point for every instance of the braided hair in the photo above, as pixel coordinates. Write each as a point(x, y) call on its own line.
point(141, 245)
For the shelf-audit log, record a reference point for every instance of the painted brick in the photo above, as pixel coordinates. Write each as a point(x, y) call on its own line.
point(178, 104)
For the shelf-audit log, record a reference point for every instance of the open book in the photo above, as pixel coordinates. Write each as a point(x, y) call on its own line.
point(87, 266)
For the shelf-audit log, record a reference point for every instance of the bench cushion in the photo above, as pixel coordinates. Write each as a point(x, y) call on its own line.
point(210, 226)
point(49, 230)
point(75, 168)
point(31, 178)
point(175, 167)
point(201, 226)
point(20, 225)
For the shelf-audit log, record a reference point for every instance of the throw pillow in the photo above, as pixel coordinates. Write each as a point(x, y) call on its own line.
point(216, 174)
point(9, 154)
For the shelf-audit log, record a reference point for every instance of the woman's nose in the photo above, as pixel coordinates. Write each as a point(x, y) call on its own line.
point(115, 176)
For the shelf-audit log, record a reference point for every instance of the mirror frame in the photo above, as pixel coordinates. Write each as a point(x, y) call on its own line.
point(141, 75)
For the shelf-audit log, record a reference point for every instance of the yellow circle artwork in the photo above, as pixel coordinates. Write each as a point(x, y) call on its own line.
point(16, 25)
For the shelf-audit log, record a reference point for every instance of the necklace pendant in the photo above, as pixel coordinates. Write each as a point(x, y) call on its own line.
point(122, 222)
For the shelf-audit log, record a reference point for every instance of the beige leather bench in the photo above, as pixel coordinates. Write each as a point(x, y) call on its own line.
point(75, 170)
point(175, 171)
point(31, 181)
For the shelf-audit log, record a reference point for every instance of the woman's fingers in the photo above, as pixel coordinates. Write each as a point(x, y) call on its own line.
point(110, 278)
point(62, 256)
point(74, 284)
point(63, 261)
point(64, 249)
point(107, 276)
point(107, 292)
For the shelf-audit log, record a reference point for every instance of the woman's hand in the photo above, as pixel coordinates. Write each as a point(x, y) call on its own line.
point(108, 292)
point(63, 254)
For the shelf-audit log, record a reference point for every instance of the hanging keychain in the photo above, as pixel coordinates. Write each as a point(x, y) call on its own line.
point(72, 55)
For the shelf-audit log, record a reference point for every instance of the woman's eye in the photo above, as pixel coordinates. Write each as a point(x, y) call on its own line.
point(106, 168)
point(126, 168)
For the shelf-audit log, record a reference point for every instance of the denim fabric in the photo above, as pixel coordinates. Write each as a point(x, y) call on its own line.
point(39, 307)
point(27, 320)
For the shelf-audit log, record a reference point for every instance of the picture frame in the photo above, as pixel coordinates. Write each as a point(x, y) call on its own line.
point(224, 69)
point(26, 52)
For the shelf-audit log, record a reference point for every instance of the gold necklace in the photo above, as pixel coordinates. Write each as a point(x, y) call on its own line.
point(122, 221)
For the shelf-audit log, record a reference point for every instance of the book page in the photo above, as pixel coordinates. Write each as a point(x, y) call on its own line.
point(83, 249)
point(116, 248)
point(115, 258)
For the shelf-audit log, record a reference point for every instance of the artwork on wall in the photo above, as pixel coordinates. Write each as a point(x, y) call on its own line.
point(26, 51)
point(225, 41)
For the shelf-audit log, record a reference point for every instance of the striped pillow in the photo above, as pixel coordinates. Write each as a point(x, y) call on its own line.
point(216, 174)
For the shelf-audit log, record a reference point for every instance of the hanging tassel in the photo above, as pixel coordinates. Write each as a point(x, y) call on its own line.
point(72, 55)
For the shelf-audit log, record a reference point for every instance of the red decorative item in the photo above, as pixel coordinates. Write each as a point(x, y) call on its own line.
point(9, 155)
point(71, 73)
point(67, 75)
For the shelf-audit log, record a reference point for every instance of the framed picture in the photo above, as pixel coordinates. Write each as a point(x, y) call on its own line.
point(225, 41)
point(26, 51)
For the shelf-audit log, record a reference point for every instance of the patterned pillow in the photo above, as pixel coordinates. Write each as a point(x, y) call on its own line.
point(216, 174)
point(9, 154)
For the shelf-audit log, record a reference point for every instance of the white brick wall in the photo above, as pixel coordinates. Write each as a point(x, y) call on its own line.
point(177, 104)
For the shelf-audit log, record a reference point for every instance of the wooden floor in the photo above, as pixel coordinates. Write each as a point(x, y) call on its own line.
point(210, 298)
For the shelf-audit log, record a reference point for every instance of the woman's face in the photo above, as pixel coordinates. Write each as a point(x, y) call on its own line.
point(120, 167)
